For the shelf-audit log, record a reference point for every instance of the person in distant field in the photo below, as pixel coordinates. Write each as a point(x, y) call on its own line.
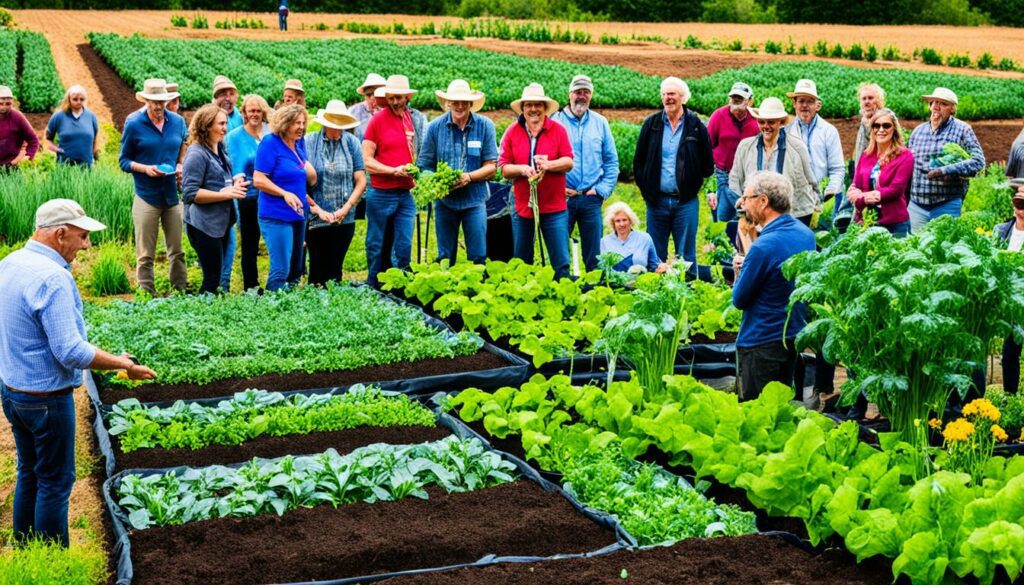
point(766, 344)
point(73, 130)
point(152, 149)
point(939, 190)
point(1011, 233)
point(465, 141)
point(393, 140)
point(43, 349)
point(535, 148)
point(16, 134)
point(242, 143)
point(727, 126)
point(595, 168)
point(365, 109)
point(293, 94)
point(673, 157)
point(635, 247)
point(822, 142)
point(282, 17)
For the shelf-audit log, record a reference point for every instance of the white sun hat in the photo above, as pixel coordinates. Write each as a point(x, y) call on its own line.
point(534, 93)
point(805, 87)
point(459, 91)
point(771, 109)
point(941, 93)
point(336, 116)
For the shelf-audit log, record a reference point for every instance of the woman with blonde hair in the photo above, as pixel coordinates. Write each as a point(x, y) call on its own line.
point(242, 143)
point(209, 190)
point(635, 247)
point(73, 130)
point(882, 178)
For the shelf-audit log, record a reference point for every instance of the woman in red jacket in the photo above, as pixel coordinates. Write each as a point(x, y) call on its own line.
point(882, 179)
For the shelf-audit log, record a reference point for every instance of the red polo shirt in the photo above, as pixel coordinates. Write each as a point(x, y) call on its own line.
point(392, 135)
point(726, 132)
point(515, 150)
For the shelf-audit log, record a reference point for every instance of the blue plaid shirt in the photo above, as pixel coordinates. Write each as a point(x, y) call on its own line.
point(953, 183)
point(464, 150)
point(42, 332)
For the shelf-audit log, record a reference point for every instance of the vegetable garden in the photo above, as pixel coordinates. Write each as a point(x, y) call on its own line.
point(26, 66)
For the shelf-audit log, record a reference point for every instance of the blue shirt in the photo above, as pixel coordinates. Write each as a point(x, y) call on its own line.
point(242, 152)
point(143, 143)
point(75, 136)
point(235, 120)
point(42, 333)
point(669, 151)
point(464, 150)
point(825, 149)
point(638, 247)
point(595, 160)
point(761, 292)
point(287, 170)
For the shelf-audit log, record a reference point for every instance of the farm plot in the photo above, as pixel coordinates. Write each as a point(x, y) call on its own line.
point(27, 68)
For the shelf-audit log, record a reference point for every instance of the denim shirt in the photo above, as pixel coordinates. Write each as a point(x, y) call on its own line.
point(461, 149)
point(595, 160)
point(669, 150)
point(143, 143)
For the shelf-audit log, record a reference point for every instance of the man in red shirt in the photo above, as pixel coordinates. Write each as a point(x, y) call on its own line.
point(727, 126)
point(392, 140)
point(15, 132)
point(536, 151)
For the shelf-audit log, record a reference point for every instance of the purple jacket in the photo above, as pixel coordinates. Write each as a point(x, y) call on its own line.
point(15, 132)
point(893, 185)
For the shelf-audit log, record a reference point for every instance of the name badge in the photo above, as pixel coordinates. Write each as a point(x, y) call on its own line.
point(474, 144)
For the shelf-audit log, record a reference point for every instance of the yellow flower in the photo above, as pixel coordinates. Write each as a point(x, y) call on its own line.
point(871, 252)
point(935, 423)
point(982, 408)
point(999, 433)
point(959, 430)
point(989, 233)
point(980, 231)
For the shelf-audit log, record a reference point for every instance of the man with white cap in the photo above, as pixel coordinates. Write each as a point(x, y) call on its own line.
point(16, 133)
point(393, 140)
point(727, 126)
point(673, 157)
point(821, 139)
point(43, 350)
point(225, 95)
point(595, 168)
point(365, 109)
point(152, 149)
point(938, 189)
point(465, 141)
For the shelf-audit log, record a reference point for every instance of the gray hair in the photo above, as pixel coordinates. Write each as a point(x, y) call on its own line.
point(778, 188)
point(615, 209)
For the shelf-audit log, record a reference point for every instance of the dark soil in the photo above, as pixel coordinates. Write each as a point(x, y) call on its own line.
point(519, 518)
point(720, 337)
point(726, 561)
point(482, 360)
point(343, 442)
point(119, 97)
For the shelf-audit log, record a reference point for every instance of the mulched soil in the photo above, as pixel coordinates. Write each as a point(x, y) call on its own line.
point(697, 561)
point(519, 518)
point(344, 441)
point(720, 337)
point(482, 360)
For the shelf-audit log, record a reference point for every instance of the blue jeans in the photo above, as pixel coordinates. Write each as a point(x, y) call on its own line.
point(394, 209)
point(554, 229)
point(920, 216)
point(284, 245)
point(670, 216)
point(585, 211)
point(727, 198)
point(474, 226)
point(44, 436)
point(899, 230)
point(282, 21)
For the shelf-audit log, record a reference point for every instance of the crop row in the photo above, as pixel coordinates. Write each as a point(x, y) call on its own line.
point(26, 66)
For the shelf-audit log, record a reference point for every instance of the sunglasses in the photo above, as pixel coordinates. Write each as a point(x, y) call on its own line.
point(1018, 203)
point(881, 126)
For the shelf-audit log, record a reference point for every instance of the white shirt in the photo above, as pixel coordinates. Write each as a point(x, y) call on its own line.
point(1016, 239)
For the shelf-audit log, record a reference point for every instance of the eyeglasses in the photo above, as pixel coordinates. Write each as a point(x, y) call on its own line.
point(755, 195)
point(1017, 203)
point(881, 126)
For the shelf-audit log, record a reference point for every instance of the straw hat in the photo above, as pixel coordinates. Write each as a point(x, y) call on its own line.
point(172, 90)
point(771, 109)
point(294, 84)
point(459, 91)
point(534, 93)
point(154, 90)
point(221, 82)
point(336, 116)
point(397, 85)
point(941, 93)
point(372, 80)
point(804, 87)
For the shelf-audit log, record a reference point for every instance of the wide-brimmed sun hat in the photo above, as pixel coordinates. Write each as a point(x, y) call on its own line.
point(294, 84)
point(372, 80)
point(221, 82)
point(771, 109)
point(459, 91)
point(534, 93)
point(398, 85)
point(154, 90)
point(336, 116)
point(941, 93)
point(805, 87)
point(172, 90)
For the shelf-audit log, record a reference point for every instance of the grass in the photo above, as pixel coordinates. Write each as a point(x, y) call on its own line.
point(39, 563)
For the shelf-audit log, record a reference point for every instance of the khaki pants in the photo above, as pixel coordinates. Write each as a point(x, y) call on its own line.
point(148, 219)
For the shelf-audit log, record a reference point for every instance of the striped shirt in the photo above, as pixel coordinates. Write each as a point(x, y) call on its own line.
point(953, 183)
point(42, 332)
